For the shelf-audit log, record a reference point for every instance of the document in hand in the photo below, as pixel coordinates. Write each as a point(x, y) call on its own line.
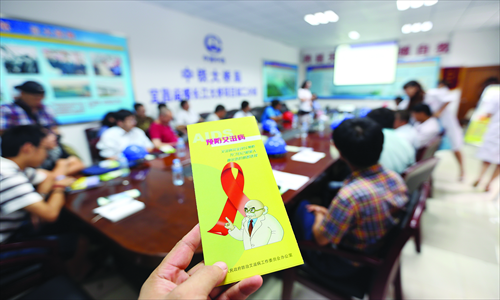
point(243, 220)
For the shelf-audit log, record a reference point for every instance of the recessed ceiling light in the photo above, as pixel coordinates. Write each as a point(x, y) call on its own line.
point(406, 28)
point(331, 16)
point(403, 5)
point(430, 3)
point(416, 4)
point(426, 26)
point(354, 35)
point(321, 18)
point(416, 27)
point(311, 19)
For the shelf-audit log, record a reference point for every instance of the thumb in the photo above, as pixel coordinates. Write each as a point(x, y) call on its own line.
point(202, 282)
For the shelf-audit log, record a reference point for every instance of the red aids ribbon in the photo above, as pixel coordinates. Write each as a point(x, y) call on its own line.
point(236, 199)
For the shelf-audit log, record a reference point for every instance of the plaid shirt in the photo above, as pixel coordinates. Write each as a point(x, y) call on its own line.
point(13, 115)
point(365, 209)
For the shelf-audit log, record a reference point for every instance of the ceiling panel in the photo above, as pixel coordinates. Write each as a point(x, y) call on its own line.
point(375, 20)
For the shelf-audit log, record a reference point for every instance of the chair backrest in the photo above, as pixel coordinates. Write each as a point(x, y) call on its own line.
point(419, 173)
point(257, 112)
point(204, 115)
point(430, 149)
point(93, 139)
point(231, 113)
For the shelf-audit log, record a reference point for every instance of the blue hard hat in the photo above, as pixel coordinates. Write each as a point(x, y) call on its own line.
point(269, 124)
point(336, 123)
point(275, 145)
point(135, 152)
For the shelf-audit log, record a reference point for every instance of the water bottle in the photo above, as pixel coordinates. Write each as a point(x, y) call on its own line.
point(304, 129)
point(177, 172)
point(123, 161)
point(295, 121)
point(181, 148)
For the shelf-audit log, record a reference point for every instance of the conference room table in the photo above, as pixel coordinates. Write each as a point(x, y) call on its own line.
point(170, 211)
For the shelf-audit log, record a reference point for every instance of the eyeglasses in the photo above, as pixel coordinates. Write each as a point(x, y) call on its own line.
point(252, 210)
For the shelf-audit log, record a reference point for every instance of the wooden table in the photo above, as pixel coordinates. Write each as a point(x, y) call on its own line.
point(170, 212)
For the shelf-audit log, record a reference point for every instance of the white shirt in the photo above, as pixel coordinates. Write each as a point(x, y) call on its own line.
point(114, 140)
point(16, 192)
point(426, 131)
point(267, 230)
point(242, 114)
point(305, 96)
point(212, 117)
point(184, 118)
point(408, 133)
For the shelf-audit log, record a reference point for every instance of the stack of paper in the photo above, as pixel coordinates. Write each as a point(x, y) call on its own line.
point(120, 209)
point(310, 157)
point(289, 181)
point(291, 148)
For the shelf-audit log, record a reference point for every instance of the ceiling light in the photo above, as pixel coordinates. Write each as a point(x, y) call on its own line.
point(331, 16)
point(311, 19)
point(321, 18)
point(426, 26)
point(416, 4)
point(354, 35)
point(403, 5)
point(406, 28)
point(416, 27)
point(430, 3)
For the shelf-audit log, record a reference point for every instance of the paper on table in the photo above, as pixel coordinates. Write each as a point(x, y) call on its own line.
point(310, 157)
point(120, 209)
point(289, 180)
point(290, 148)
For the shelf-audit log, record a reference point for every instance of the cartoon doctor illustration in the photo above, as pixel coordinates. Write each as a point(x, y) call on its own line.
point(258, 228)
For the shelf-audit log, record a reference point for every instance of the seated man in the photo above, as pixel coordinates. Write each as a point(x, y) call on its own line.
point(244, 112)
point(143, 121)
point(220, 113)
point(25, 148)
point(272, 112)
point(185, 117)
point(427, 126)
point(365, 208)
point(404, 129)
point(114, 140)
point(160, 132)
point(397, 154)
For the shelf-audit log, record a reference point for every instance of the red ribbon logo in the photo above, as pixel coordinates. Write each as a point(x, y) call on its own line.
point(236, 199)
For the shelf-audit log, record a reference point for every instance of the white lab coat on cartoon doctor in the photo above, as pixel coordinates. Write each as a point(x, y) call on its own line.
point(265, 229)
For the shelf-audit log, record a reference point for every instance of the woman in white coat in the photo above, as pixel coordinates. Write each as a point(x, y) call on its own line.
point(489, 152)
point(306, 101)
point(439, 101)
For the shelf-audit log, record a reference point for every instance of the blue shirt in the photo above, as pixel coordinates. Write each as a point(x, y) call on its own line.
point(397, 153)
point(270, 112)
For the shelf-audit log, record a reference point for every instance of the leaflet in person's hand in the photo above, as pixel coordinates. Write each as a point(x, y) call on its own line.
point(243, 220)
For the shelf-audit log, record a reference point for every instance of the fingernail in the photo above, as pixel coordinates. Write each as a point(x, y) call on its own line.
point(221, 265)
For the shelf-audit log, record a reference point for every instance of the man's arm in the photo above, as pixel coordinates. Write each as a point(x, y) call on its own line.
point(440, 111)
point(49, 211)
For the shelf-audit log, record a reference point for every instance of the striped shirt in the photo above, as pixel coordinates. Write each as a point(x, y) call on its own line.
point(365, 209)
point(16, 192)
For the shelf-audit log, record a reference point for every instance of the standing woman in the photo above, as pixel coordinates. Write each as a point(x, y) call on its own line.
point(416, 94)
point(489, 152)
point(439, 101)
point(306, 98)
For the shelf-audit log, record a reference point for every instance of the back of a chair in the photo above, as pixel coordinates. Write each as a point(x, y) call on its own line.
point(230, 114)
point(257, 112)
point(204, 115)
point(93, 139)
point(430, 149)
point(419, 173)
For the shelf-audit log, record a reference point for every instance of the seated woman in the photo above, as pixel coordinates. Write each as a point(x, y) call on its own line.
point(107, 122)
point(59, 160)
point(160, 131)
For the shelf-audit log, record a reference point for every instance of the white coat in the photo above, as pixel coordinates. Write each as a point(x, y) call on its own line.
point(490, 150)
point(426, 131)
point(436, 98)
point(267, 230)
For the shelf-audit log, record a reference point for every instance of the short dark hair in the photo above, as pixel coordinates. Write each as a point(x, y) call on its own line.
point(219, 108)
point(359, 141)
point(137, 105)
point(403, 115)
point(183, 102)
point(122, 114)
point(244, 104)
point(106, 122)
point(275, 103)
point(422, 108)
point(162, 105)
point(383, 116)
point(445, 83)
point(14, 138)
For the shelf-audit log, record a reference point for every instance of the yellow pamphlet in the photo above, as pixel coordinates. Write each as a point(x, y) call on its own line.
point(243, 220)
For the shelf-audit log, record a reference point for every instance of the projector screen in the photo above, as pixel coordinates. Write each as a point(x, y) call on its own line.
point(365, 64)
point(85, 74)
